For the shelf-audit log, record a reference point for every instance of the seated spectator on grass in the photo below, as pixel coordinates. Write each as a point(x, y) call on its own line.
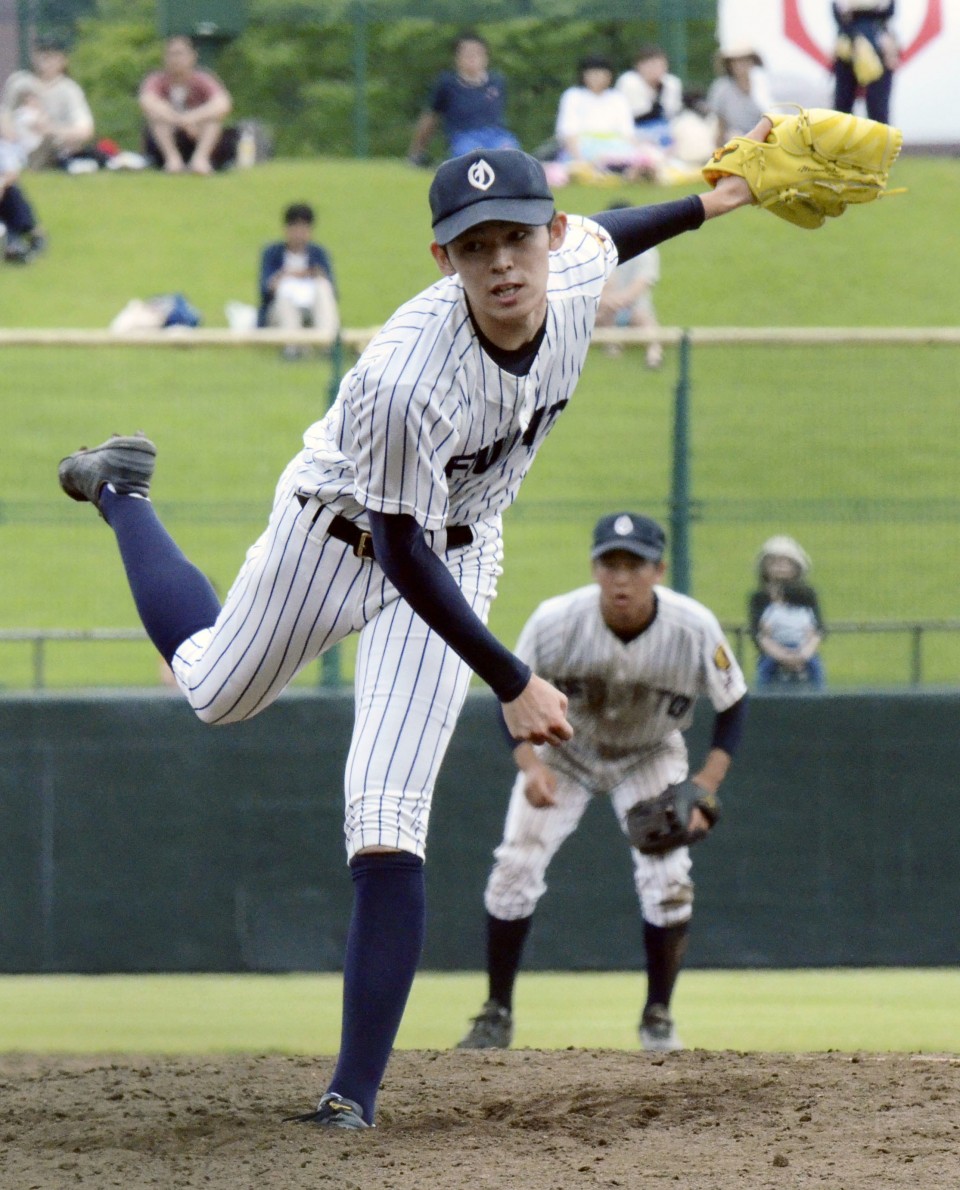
point(627, 298)
point(740, 94)
point(22, 239)
point(22, 118)
point(595, 128)
point(654, 94)
point(693, 130)
point(470, 100)
point(185, 109)
point(47, 111)
point(296, 280)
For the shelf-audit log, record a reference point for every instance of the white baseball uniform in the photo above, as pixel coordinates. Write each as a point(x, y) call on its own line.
point(426, 424)
point(629, 703)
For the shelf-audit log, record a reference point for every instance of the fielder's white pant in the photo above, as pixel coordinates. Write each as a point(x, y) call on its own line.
point(298, 593)
point(532, 837)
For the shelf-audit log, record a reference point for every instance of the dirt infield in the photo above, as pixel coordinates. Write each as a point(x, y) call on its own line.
point(488, 1121)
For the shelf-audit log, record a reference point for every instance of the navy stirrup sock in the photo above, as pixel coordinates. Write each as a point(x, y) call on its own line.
point(505, 941)
point(665, 947)
point(174, 599)
point(383, 950)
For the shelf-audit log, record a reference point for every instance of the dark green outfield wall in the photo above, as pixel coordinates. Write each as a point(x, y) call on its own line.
point(132, 838)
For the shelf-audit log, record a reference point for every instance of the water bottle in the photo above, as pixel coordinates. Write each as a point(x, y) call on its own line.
point(246, 148)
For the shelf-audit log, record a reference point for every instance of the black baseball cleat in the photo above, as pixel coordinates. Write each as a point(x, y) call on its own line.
point(657, 1030)
point(21, 249)
point(333, 1111)
point(126, 462)
point(492, 1029)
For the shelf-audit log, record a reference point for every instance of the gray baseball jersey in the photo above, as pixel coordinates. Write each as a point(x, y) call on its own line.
point(629, 703)
point(428, 425)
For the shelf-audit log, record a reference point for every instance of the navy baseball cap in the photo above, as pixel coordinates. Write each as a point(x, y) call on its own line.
point(487, 185)
point(627, 531)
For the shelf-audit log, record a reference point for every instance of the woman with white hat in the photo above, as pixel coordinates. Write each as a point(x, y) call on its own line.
point(740, 94)
point(785, 620)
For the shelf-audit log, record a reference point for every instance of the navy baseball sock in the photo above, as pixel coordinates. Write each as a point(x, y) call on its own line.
point(505, 941)
point(383, 950)
point(665, 946)
point(174, 599)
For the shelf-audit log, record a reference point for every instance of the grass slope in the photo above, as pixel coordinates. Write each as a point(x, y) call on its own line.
point(850, 449)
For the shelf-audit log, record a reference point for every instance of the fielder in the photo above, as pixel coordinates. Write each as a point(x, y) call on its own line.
point(632, 657)
point(387, 523)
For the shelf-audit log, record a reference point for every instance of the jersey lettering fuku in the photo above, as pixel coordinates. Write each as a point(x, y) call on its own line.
point(427, 425)
point(626, 699)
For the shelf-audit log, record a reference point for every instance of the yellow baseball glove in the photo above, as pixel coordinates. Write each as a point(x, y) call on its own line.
point(812, 165)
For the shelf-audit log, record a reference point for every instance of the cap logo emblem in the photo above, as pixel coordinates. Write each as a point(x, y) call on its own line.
point(623, 526)
point(480, 175)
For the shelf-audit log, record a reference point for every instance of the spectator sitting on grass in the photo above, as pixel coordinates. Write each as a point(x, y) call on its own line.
point(21, 237)
point(596, 132)
point(740, 93)
point(469, 100)
point(627, 298)
point(654, 94)
point(296, 280)
point(185, 109)
point(60, 124)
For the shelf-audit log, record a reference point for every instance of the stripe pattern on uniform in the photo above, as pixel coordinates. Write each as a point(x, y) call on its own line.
point(428, 425)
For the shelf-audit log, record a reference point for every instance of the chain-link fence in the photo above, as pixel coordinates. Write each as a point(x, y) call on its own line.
point(843, 440)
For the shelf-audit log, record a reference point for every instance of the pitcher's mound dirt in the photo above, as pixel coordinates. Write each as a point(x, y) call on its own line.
point(516, 1120)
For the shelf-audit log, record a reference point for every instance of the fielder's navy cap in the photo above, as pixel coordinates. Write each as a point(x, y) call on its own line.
point(487, 185)
point(627, 531)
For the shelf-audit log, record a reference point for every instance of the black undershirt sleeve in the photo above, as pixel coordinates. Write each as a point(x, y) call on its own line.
point(728, 727)
point(430, 589)
point(635, 229)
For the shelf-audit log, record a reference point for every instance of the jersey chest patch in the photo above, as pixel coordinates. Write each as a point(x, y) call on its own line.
point(486, 456)
point(598, 696)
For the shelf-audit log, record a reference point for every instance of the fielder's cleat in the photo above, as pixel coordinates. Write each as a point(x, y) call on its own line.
point(125, 462)
point(657, 1032)
point(491, 1030)
point(333, 1111)
point(21, 249)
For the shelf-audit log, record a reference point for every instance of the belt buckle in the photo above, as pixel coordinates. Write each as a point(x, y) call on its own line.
point(363, 544)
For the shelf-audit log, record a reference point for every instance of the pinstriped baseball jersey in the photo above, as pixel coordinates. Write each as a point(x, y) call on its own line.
point(425, 424)
point(428, 425)
point(628, 699)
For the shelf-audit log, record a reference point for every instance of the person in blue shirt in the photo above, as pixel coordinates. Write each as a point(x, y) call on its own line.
point(297, 287)
point(470, 100)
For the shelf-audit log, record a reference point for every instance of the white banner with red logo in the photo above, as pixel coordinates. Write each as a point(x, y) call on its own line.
point(795, 39)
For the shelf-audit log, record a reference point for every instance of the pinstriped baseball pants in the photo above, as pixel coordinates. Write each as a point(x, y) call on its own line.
point(532, 837)
point(298, 593)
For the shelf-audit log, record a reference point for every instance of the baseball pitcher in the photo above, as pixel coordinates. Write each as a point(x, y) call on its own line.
point(387, 523)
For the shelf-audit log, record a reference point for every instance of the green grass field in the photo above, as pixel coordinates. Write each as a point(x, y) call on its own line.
point(852, 450)
point(778, 1011)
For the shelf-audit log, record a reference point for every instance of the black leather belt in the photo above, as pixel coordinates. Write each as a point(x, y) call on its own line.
point(362, 541)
